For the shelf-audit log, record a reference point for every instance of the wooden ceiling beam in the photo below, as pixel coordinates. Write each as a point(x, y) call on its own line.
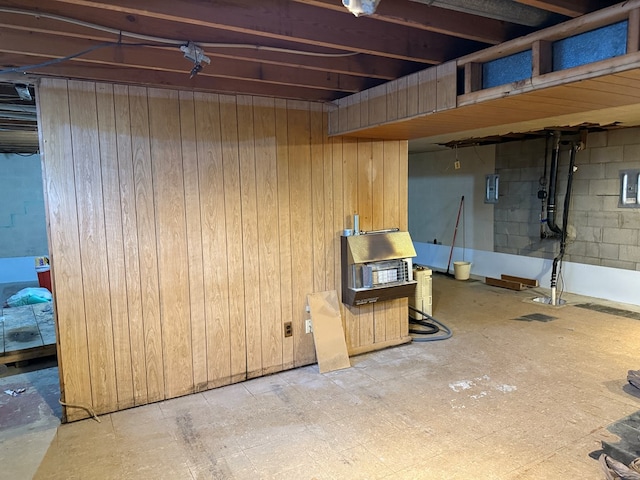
point(305, 25)
point(83, 70)
point(435, 19)
point(569, 8)
point(171, 59)
point(357, 65)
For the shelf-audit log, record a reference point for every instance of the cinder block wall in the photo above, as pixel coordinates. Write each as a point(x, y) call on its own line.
point(600, 232)
point(23, 230)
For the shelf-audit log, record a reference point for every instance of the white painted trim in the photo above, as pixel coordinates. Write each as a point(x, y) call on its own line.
point(591, 280)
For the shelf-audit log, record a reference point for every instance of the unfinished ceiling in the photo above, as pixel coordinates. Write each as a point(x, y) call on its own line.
point(300, 49)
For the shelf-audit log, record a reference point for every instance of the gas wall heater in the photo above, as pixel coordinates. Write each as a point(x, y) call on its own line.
point(377, 266)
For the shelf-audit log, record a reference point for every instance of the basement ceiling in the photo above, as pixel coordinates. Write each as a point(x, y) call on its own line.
point(299, 49)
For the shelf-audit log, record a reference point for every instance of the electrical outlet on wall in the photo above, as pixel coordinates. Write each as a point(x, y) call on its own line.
point(288, 329)
point(308, 326)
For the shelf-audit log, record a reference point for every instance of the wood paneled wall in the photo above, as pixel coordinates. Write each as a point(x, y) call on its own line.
point(186, 228)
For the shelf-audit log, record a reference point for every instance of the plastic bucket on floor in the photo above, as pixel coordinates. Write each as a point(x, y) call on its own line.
point(461, 270)
point(43, 270)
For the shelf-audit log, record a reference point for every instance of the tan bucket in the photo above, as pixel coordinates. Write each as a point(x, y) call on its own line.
point(461, 270)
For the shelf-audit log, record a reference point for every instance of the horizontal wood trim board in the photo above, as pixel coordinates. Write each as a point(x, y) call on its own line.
point(187, 228)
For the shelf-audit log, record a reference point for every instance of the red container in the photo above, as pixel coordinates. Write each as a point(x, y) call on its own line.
point(44, 277)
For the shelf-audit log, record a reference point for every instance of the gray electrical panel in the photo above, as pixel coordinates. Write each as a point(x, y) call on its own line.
point(629, 189)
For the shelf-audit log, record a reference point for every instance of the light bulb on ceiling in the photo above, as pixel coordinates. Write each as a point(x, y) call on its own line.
point(361, 7)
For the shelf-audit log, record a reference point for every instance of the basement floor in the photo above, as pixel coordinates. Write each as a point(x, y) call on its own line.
point(521, 391)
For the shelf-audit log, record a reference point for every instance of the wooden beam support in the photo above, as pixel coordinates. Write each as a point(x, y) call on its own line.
point(541, 57)
point(304, 24)
point(171, 59)
point(84, 70)
point(633, 32)
point(435, 19)
point(356, 65)
point(472, 77)
point(570, 8)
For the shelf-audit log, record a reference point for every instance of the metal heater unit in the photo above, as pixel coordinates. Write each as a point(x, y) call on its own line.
point(377, 266)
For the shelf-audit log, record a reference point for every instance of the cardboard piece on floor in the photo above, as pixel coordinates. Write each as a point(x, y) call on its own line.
point(328, 332)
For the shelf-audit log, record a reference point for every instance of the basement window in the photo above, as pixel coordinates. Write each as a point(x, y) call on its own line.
point(595, 45)
point(505, 70)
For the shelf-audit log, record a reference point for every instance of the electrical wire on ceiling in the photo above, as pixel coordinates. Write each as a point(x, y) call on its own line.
point(155, 41)
point(55, 61)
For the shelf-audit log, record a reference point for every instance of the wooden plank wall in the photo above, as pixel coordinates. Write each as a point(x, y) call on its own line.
point(186, 228)
point(422, 93)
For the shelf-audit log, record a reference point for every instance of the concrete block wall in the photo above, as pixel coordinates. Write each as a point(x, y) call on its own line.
point(23, 230)
point(600, 232)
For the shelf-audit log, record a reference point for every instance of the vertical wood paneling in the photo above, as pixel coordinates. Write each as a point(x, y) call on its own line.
point(354, 103)
point(364, 108)
point(427, 94)
point(147, 249)
point(379, 198)
point(339, 220)
point(284, 228)
point(115, 259)
point(403, 88)
point(233, 223)
point(350, 207)
point(251, 249)
point(377, 104)
point(300, 179)
point(130, 244)
point(317, 199)
point(214, 243)
point(446, 89)
point(62, 214)
point(268, 236)
point(412, 95)
point(331, 234)
point(391, 214)
point(213, 217)
point(93, 248)
point(173, 277)
point(365, 210)
point(392, 100)
point(403, 222)
point(194, 240)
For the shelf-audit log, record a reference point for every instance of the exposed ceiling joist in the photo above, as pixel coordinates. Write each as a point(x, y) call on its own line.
point(255, 46)
point(505, 10)
point(436, 19)
point(171, 59)
point(570, 8)
point(358, 65)
point(305, 25)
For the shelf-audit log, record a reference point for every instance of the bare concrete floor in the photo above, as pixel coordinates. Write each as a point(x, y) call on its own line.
point(505, 398)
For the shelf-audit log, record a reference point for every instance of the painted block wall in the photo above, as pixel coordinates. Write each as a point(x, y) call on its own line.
point(601, 233)
point(22, 220)
point(435, 190)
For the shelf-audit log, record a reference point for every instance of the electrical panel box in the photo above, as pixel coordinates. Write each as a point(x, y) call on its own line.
point(629, 189)
point(491, 188)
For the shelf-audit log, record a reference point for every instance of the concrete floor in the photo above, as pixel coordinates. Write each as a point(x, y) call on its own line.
point(505, 398)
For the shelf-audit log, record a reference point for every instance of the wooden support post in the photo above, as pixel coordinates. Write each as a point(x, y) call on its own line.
point(633, 31)
point(541, 58)
point(472, 77)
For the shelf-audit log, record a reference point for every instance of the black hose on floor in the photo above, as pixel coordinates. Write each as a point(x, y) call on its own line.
point(433, 326)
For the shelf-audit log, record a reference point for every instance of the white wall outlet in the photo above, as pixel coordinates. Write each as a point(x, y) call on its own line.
point(308, 326)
